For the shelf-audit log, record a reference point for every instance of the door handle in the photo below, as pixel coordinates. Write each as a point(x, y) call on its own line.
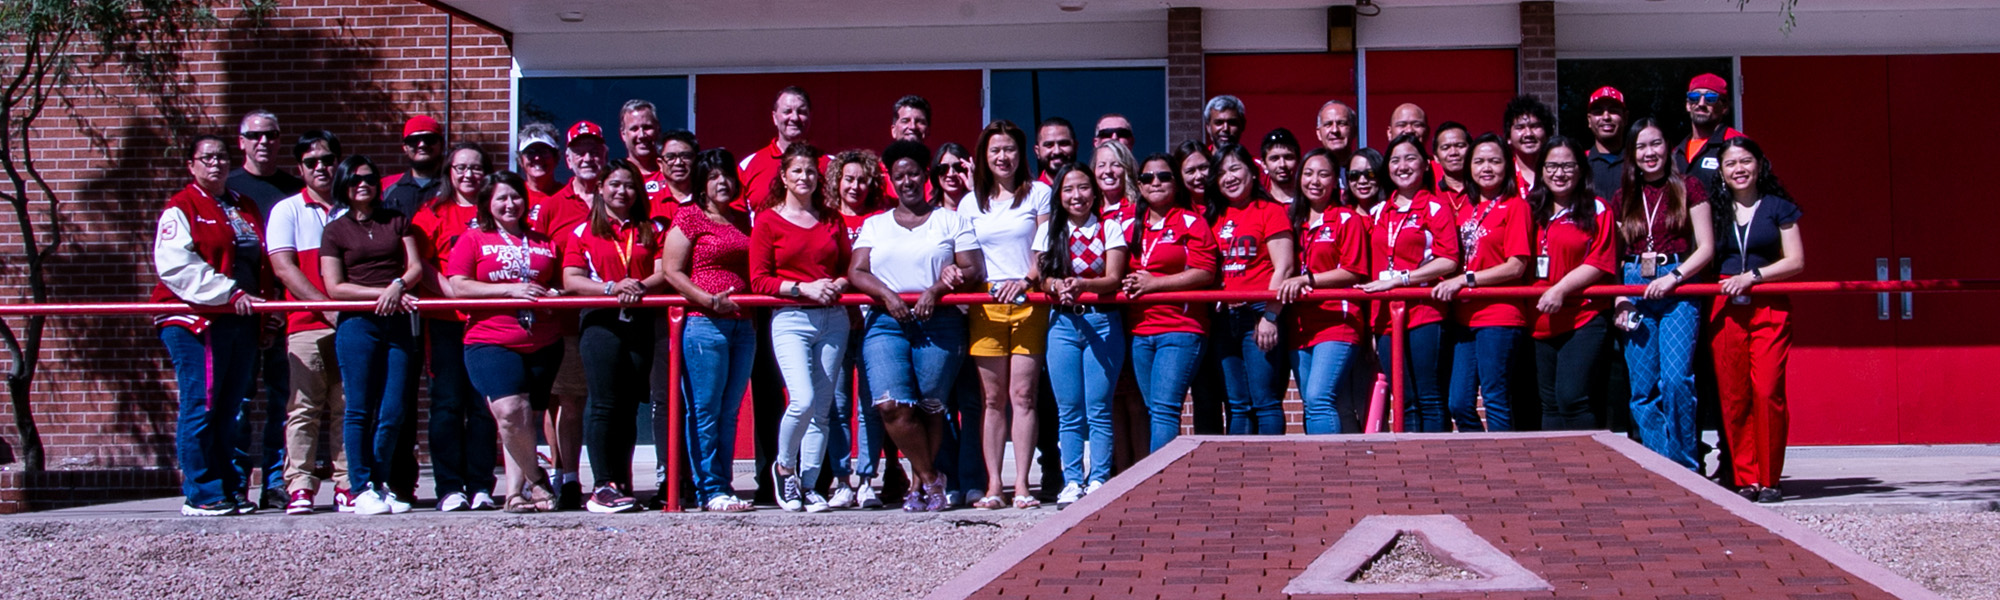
point(1909, 312)
point(1882, 299)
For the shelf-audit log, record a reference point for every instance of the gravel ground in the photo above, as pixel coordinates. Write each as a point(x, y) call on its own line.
point(859, 555)
point(1954, 554)
point(1407, 561)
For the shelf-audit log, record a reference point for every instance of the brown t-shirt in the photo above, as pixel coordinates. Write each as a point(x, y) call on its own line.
point(372, 251)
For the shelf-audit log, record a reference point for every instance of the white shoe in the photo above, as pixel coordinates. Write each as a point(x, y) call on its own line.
point(370, 502)
point(866, 497)
point(843, 496)
point(954, 499)
point(815, 503)
point(1092, 488)
point(1071, 493)
point(453, 502)
point(483, 501)
point(396, 505)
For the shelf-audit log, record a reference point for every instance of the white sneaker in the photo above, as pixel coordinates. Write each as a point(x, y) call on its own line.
point(866, 497)
point(453, 502)
point(1071, 493)
point(396, 505)
point(370, 502)
point(1092, 488)
point(843, 496)
point(483, 501)
point(815, 503)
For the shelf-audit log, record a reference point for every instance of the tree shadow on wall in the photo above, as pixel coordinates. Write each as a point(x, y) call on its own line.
point(331, 78)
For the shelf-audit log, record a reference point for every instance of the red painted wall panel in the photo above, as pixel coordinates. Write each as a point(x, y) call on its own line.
point(1281, 90)
point(850, 109)
point(1468, 86)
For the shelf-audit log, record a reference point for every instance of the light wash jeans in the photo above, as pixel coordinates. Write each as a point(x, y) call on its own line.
point(1086, 353)
point(810, 344)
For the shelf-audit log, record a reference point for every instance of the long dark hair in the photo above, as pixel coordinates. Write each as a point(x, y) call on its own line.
point(1217, 203)
point(640, 211)
point(1582, 202)
point(985, 185)
point(344, 180)
point(1056, 262)
point(438, 202)
point(1631, 205)
point(1302, 206)
point(483, 217)
point(1719, 195)
point(1181, 154)
point(1181, 198)
point(1507, 175)
point(1378, 168)
point(1424, 175)
point(712, 162)
point(937, 169)
point(799, 151)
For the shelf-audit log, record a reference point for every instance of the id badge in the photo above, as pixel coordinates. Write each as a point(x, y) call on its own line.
point(1542, 267)
point(624, 317)
point(1386, 275)
point(1739, 300)
point(1649, 265)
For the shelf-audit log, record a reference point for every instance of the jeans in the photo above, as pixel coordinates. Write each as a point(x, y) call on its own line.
point(1255, 379)
point(810, 344)
point(1329, 385)
point(463, 434)
point(273, 365)
point(914, 364)
point(213, 371)
point(1659, 355)
point(1423, 380)
point(1164, 363)
point(1564, 366)
point(854, 446)
point(716, 356)
point(960, 458)
point(1484, 361)
point(378, 374)
point(1086, 354)
point(617, 367)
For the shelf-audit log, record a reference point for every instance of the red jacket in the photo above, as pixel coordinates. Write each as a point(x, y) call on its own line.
point(194, 253)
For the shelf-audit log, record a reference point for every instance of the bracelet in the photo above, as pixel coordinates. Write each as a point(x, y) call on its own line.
point(1312, 279)
point(1406, 278)
point(1757, 274)
point(1676, 272)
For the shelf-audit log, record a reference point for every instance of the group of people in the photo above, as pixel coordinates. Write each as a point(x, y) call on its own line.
point(840, 385)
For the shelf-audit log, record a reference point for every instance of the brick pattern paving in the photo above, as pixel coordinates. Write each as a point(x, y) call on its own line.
point(1240, 519)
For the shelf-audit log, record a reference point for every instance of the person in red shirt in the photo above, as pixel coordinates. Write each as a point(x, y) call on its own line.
point(1333, 254)
point(706, 258)
point(461, 425)
point(791, 115)
point(614, 253)
point(639, 130)
point(1577, 250)
point(679, 149)
point(679, 153)
point(1752, 335)
point(557, 216)
point(511, 355)
point(1529, 124)
point(1413, 242)
point(1193, 164)
point(1174, 252)
point(292, 238)
point(799, 250)
point(557, 213)
point(853, 178)
point(537, 157)
point(1257, 255)
point(1449, 146)
point(1488, 335)
point(1055, 147)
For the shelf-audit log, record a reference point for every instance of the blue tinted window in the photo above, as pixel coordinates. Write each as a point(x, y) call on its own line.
point(562, 101)
point(1082, 95)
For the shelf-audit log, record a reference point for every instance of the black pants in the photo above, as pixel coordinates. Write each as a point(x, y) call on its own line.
point(1209, 392)
point(1564, 365)
point(463, 433)
point(767, 405)
point(617, 366)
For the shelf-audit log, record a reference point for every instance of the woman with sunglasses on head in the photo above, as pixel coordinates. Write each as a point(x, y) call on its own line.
point(1008, 336)
point(854, 178)
point(614, 252)
point(1082, 256)
point(1171, 250)
point(1751, 335)
point(1577, 249)
point(950, 176)
point(1669, 236)
point(1413, 242)
point(1488, 336)
point(371, 253)
point(462, 428)
point(1257, 255)
point(706, 258)
point(511, 355)
point(1333, 254)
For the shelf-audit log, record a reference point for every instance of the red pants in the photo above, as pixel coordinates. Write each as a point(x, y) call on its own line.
point(1751, 343)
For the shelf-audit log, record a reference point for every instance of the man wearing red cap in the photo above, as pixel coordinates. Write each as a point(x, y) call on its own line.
point(1708, 110)
point(423, 145)
point(1606, 112)
point(791, 114)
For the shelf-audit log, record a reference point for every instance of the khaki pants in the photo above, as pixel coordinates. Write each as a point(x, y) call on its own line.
point(316, 401)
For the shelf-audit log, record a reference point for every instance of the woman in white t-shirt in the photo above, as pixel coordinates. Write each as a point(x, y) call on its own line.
point(1008, 337)
point(913, 349)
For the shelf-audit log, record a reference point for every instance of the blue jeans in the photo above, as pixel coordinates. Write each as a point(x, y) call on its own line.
point(463, 434)
point(1423, 378)
point(213, 371)
point(274, 366)
point(1484, 361)
point(852, 450)
point(1163, 364)
point(1329, 385)
point(378, 374)
point(1255, 379)
point(716, 355)
point(960, 458)
point(1659, 353)
point(1086, 354)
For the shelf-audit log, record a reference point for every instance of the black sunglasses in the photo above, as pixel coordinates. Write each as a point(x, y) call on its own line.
point(1151, 177)
point(951, 167)
point(323, 160)
point(1354, 174)
point(1704, 97)
point(262, 135)
point(1115, 132)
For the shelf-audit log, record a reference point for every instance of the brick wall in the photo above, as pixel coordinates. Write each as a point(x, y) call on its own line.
point(105, 396)
point(1538, 50)
point(1185, 90)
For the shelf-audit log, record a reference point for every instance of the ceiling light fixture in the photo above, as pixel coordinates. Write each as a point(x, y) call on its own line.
point(1071, 5)
point(570, 16)
point(1366, 8)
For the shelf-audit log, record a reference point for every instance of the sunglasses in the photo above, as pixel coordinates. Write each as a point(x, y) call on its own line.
point(1360, 174)
point(263, 135)
point(1151, 177)
point(319, 162)
point(1704, 98)
point(419, 140)
point(952, 168)
point(1115, 132)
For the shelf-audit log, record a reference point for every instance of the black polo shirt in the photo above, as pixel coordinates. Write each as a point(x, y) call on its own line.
point(265, 190)
point(1607, 171)
point(404, 194)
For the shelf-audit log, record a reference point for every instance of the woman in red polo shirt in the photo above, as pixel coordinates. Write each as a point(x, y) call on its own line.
point(1257, 253)
point(1175, 252)
point(706, 257)
point(1752, 335)
point(854, 178)
point(1413, 242)
point(1577, 250)
point(1488, 335)
point(511, 355)
point(799, 250)
point(1333, 254)
point(1193, 165)
point(614, 253)
point(462, 428)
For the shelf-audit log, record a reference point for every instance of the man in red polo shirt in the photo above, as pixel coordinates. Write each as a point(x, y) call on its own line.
point(912, 124)
point(561, 211)
point(1708, 111)
point(1528, 123)
point(538, 160)
point(639, 128)
point(791, 114)
point(1055, 146)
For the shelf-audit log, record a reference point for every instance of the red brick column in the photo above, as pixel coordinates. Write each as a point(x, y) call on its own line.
point(1538, 50)
point(1185, 87)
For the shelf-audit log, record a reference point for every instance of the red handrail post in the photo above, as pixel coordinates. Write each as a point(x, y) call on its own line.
point(676, 451)
point(1399, 348)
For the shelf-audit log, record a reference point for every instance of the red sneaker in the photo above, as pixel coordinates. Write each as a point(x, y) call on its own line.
point(301, 503)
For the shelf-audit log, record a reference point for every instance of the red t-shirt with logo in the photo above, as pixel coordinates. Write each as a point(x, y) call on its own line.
point(1403, 240)
point(496, 257)
point(1177, 243)
point(1242, 233)
point(1339, 240)
point(1569, 245)
point(618, 257)
point(1489, 233)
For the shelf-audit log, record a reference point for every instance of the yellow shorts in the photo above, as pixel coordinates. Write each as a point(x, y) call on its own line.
point(1004, 329)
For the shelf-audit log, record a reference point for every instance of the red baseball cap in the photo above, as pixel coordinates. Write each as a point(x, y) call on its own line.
point(1606, 93)
point(1709, 81)
point(421, 125)
point(584, 128)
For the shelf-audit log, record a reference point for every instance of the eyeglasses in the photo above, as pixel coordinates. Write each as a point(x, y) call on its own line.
point(677, 156)
point(467, 169)
point(1559, 167)
point(1115, 132)
point(212, 159)
point(262, 135)
point(319, 161)
point(1151, 177)
point(1704, 98)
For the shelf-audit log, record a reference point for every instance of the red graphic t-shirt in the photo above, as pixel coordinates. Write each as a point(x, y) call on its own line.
point(498, 257)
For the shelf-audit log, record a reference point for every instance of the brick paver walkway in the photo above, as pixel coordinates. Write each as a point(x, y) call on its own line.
point(1240, 519)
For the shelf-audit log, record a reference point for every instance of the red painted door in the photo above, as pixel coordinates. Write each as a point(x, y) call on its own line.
point(1826, 145)
point(1944, 224)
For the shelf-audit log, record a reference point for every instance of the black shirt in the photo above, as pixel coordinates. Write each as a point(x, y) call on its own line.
point(1761, 236)
point(407, 194)
point(1607, 171)
point(265, 190)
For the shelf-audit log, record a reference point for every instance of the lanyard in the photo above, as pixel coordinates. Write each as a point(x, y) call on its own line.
point(1742, 233)
point(625, 251)
point(1652, 201)
point(1150, 241)
point(517, 263)
point(1471, 231)
point(1553, 219)
point(1397, 232)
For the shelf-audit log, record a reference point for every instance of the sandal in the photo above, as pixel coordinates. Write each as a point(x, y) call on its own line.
point(1026, 502)
point(519, 505)
point(935, 499)
point(914, 502)
point(726, 503)
point(541, 495)
point(989, 503)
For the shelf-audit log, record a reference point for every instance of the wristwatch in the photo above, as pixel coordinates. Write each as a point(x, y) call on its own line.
point(1757, 274)
point(794, 292)
point(1471, 279)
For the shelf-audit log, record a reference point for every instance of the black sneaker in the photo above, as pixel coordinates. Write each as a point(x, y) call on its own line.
point(273, 499)
point(607, 499)
point(791, 494)
point(1770, 495)
point(244, 506)
point(571, 497)
point(655, 502)
point(216, 509)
